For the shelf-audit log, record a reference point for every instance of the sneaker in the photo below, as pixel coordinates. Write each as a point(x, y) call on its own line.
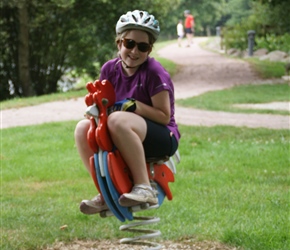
point(93, 206)
point(139, 194)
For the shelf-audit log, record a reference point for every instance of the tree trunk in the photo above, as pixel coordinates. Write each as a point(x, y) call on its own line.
point(208, 33)
point(23, 50)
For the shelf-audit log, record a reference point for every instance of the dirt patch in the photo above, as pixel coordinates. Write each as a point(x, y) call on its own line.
point(202, 70)
point(115, 245)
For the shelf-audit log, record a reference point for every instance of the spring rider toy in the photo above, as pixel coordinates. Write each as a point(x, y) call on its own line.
point(110, 173)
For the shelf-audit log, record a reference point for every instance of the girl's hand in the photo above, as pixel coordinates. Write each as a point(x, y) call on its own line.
point(128, 104)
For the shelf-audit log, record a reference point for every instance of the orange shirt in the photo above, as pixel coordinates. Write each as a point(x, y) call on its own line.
point(189, 20)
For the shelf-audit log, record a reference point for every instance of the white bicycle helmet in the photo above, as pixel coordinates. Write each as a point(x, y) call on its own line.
point(140, 20)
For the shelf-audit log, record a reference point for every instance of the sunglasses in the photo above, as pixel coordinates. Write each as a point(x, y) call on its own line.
point(130, 44)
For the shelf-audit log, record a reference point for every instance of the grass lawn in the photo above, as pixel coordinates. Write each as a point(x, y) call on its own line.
point(266, 68)
point(232, 186)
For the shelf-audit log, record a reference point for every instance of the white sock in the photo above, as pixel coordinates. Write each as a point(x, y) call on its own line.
point(145, 186)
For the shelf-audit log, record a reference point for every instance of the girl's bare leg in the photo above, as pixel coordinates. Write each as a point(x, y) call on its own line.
point(128, 131)
point(82, 145)
point(97, 204)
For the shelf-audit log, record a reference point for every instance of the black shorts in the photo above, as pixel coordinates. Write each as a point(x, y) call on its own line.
point(188, 31)
point(159, 140)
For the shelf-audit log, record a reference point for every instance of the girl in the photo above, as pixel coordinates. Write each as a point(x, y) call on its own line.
point(148, 128)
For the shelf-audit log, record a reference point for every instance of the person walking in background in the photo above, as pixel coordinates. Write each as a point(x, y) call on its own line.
point(189, 26)
point(180, 32)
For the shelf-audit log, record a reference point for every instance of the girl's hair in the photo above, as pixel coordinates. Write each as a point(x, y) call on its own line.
point(119, 37)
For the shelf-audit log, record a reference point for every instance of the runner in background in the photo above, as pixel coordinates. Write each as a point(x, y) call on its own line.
point(189, 27)
point(180, 32)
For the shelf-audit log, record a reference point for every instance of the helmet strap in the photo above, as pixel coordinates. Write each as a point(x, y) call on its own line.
point(125, 64)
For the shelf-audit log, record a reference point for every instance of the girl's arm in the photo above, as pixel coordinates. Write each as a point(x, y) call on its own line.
point(159, 112)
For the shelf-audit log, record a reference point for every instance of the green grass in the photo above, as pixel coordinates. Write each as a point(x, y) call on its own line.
point(31, 101)
point(232, 186)
point(243, 94)
point(266, 68)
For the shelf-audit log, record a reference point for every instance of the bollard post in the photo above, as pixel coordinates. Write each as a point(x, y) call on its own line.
point(251, 42)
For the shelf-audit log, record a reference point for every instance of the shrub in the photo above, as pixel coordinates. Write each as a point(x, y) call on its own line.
point(272, 42)
point(235, 37)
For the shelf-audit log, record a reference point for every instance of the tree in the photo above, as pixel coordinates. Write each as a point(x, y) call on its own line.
point(238, 10)
point(269, 19)
point(209, 14)
point(23, 49)
point(273, 16)
point(63, 35)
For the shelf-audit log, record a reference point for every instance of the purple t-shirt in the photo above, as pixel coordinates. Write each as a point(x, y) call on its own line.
point(149, 79)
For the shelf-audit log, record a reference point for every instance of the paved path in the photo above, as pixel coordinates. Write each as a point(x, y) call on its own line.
point(200, 71)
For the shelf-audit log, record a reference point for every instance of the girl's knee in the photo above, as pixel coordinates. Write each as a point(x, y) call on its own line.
point(115, 121)
point(124, 123)
point(81, 128)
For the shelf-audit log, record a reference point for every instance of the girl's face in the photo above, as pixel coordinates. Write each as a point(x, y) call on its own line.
point(134, 49)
